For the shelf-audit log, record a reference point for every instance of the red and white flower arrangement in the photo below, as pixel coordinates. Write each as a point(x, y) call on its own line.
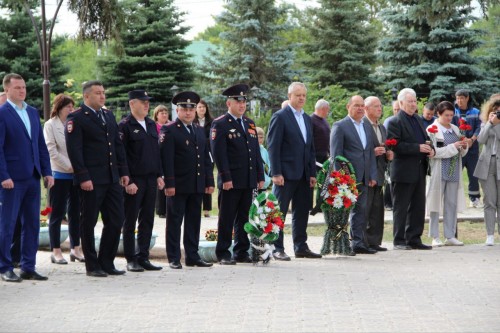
point(341, 192)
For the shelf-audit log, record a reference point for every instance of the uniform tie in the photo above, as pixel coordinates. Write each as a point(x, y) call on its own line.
point(242, 125)
point(191, 131)
point(100, 115)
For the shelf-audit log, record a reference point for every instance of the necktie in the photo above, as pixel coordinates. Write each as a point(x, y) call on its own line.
point(191, 131)
point(101, 116)
point(241, 125)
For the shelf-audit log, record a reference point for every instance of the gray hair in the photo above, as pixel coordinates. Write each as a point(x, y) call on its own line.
point(406, 91)
point(296, 84)
point(321, 104)
point(370, 99)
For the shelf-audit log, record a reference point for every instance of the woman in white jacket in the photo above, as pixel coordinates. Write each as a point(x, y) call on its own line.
point(445, 193)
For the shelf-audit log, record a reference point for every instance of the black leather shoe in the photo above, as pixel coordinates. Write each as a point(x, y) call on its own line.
point(225, 261)
point(245, 260)
point(364, 250)
point(198, 263)
point(114, 271)
point(133, 266)
point(378, 248)
point(402, 247)
point(175, 265)
point(32, 276)
point(147, 265)
point(351, 254)
point(97, 273)
point(281, 255)
point(307, 254)
point(10, 276)
point(420, 246)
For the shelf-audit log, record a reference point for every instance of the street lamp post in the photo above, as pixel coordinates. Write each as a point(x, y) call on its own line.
point(174, 91)
point(254, 102)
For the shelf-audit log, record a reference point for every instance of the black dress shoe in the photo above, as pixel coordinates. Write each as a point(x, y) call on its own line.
point(225, 261)
point(420, 246)
point(378, 248)
point(401, 247)
point(133, 266)
point(114, 271)
point(351, 254)
point(32, 276)
point(97, 273)
point(147, 265)
point(281, 255)
point(175, 265)
point(10, 276)
point(364, 250)
point(245, 260)
point(307, 254)
point(198, 263)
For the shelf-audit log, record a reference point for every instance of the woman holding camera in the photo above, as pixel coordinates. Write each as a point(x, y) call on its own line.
point(488, 166)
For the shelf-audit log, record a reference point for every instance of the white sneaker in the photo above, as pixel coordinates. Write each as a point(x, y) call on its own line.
point(437, 242)
point(453, 242)
point(490, 240)
point(476, 203)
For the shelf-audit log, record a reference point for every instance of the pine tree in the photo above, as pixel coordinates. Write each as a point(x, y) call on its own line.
point(154, 56)
point(428, 48)
point(251, 50)
point(342, 47)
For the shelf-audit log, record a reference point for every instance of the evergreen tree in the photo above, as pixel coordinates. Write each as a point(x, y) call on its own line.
point(428, 47)
point(252, 50)
point(342, 45)
point(154, 56)
point(19, 54)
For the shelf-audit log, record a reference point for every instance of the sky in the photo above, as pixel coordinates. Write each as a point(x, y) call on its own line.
point(199, 14)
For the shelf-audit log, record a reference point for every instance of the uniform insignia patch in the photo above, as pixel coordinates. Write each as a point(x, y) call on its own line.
point(136, 131)
point(214, 133)
point(69, 126)
point(251, 131)
point(232, 130)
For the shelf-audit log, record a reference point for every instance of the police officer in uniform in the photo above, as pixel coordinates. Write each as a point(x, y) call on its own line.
point(100, 167)
point(140, 139)
point(236, 153)
point(188, 172)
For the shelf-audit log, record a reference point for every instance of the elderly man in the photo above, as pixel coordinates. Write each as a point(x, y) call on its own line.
point(292, 156)
point(375, 202)
point(395, 111)
point(352, 138)
point(408, 172)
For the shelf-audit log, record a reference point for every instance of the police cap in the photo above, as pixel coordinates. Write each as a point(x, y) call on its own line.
point(138, 94)
point(237, 92)
point(186, 99)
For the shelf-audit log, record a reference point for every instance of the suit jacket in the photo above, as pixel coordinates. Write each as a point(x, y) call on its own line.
point(381, 160)
point(289, 154)
point(21, 155)
point(407, 156)
point(488, 136)
point(236, 154)
point(186, 163)
point(53, 131)
point(95, 150)
point(345, 141)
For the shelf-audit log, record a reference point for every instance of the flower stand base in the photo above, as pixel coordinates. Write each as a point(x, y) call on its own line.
point(44, 238)
point(261, 250)
point(336, 238)
point(120, 245)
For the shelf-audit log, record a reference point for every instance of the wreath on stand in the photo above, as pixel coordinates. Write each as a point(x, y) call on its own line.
point(264, 225)
point(337, 193)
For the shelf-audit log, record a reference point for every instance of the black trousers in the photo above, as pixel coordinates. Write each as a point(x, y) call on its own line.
point(408, 205)
point(161, 203)
point(207, 202)
point(387, 196)
point(234, 206)
point(139, 207)
point(298, 192)
point(187, 207)
point(108, 199)
point(64, 196)
point(375, 216)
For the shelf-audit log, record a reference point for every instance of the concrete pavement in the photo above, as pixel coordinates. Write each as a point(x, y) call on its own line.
point(446, 289)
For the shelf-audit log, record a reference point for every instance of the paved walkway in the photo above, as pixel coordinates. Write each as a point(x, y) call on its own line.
point(443, 290)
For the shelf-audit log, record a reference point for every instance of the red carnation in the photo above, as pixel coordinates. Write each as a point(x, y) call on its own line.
point(279, 222)
point(433, 129)
point(268, 228)
point(46, 211)
point(391, 143)
point(347, 202)
point(270, 204)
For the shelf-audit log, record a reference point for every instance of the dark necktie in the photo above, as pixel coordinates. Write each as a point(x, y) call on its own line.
point(241, 125)
point(100, 115)
point(191, 131)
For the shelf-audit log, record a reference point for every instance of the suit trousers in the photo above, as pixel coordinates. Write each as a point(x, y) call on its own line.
point(298, 192)
point(449, 196)
point(491, 190)
point(140, 208)
point(64, 196)
point(234, 206)
point(207, 202)
point(358, 219)
point(23, 202)
point(375, 216)
point(161, 203)
point(108, 199)
point(15, 248)
point(408, 205)
point(469, 161)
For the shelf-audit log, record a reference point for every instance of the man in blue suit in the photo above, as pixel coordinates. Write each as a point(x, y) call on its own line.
point(351, 137)
point(24, 159)
point(292, 157)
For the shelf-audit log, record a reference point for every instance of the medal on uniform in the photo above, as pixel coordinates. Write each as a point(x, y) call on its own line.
point(230, 136)
point(238, 134)
point(232, 130)
point(69, 126)
point(187, 142)
point(136, 131)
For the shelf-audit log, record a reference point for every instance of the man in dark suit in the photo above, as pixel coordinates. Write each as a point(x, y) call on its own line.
point(188, 173)
point(375, 201)
point(351, 137)
point(98, 159)
point(140, 140)
point(24, 159)
point(292, 157)
point(236, 152)
point(408, 172)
